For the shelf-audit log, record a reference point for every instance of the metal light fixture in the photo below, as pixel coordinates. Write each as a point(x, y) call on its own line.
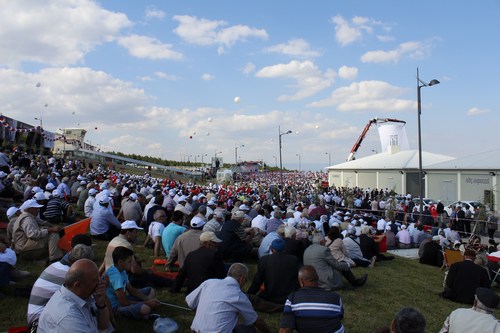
point(421, 84)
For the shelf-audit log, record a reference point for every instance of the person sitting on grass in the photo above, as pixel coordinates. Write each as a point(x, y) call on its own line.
point(173, 230)
point(311, 308)
point(155, 231)
point(80, 305)
point(126, 300)
point(51, 280)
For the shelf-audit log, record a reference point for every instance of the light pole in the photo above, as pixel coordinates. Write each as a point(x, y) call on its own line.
point(421, 84)
point(202, 157)
point(64, 141)
point(40, 131)
point(299, 160)
point(275, 160)
point(329, 158)
point(281, 163)
point(236, 153)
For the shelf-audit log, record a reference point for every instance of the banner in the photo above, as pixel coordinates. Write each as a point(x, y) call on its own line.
point(393, 134)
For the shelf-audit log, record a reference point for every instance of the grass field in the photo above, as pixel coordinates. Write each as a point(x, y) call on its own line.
point(391, 285)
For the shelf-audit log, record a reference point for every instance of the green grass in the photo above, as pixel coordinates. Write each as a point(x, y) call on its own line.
point(391, 285)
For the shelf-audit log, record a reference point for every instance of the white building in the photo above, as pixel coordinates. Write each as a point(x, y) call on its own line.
point(474, 177)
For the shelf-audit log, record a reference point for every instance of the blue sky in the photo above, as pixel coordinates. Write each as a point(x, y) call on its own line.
point(151, 74)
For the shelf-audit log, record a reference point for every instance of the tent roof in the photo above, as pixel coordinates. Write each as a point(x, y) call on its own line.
point(489, 160)
point(407, 159)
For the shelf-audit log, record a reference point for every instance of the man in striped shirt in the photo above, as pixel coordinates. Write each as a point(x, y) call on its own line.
point(312, 309)
point(51, 280)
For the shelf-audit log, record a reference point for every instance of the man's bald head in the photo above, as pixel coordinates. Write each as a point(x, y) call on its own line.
point(82, 278)
point(308, 276)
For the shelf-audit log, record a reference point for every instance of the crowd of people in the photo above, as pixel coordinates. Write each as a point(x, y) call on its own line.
point(307, 239)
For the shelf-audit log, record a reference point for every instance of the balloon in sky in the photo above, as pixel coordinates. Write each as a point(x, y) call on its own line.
point(209, 119)
point(38, 84)
point(237, 99)
point(317, 126)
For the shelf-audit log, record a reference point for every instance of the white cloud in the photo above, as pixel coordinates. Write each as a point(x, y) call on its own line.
point(477, 111)
point(309, 79)
point(61, 33)
point(413, 50)
point(249, 68)
point(152, 12)
point(367, 96)
point(166, 76)
point(385, 38)
point(148, 47)
point(348, 73)
point(207, 77)
point(349, 32)
point(294, 47)
point(205, 32)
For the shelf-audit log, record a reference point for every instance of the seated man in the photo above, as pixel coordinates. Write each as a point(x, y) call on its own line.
point(155, 231)
point(218, 304)
point(278, 272)
point(72, 308)
point(32, 242)
point(201, 264)
point(186, 242)
point(125, 300)
point(236, 242)
point(479, 318)
point(139, 277)
point(51, 280)
point(464, 278)
point(311, 308)
point(173, 230)
point(327, 267)
point(430, 252)
point(104, 225)
point(58, 210)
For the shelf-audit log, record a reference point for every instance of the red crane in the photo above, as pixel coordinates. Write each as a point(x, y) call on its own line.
point(356, 146)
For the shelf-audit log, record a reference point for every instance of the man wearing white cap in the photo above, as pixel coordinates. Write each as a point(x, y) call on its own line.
point(88, 207)
point(104, 225)
point(201, 264)
point(31, 242)
point(131, 209)
point(182, 205)
point(12, 214)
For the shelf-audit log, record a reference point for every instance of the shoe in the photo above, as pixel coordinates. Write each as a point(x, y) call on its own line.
point(361, 281)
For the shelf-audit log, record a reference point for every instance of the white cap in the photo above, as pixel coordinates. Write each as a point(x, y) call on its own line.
point(93, 191)
point(3, 174)
point(11, 211)
point(132, 196)
point(31, 203)
point(129, 224)
point(105, 200)
point(182, 198)
point(243, 207)
point(50, 186)
point(197, 222)
point(40, 196)
point(56, 193)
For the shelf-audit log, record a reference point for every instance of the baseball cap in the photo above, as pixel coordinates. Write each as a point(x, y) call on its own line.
point(50, 186)
point(31, 203)
point(105, 200)
point(11, 211)
point(182, 198)
point(209, 236)
point(93, 191)
point(197, 222)
point(244, 207)
point(132, 196)
point(40, 196)
point(238, 214)
point(129, 224)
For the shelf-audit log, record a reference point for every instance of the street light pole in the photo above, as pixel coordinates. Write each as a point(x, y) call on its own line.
point(299, 160)
point(329, 158)
point(281, 163)
point(421, 84)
